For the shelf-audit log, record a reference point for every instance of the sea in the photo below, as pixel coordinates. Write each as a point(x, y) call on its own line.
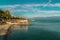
point(38, 29)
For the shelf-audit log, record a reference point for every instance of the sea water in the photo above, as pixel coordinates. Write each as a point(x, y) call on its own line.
point(36, 31)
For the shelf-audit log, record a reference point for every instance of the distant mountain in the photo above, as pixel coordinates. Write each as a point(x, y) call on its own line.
point(47, 19)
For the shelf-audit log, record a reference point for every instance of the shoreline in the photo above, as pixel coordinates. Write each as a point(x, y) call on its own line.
point(5, 27)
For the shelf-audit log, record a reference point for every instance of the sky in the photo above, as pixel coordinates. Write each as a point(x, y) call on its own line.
point(32, 8)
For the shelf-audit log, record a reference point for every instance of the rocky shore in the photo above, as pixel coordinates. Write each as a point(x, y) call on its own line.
point(15, 25)
point(7, 21)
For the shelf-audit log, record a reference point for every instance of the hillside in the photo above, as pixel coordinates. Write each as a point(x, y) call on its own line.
point(5, 16)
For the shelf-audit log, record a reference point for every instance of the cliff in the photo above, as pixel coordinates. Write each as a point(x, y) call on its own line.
point(7, 20)
point(6, 17)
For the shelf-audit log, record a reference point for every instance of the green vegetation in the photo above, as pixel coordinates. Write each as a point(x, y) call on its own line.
point(5, 14)
point(5, 17)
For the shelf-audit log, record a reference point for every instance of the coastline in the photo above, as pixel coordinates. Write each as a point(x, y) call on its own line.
point(7, 21)
point(5, 27)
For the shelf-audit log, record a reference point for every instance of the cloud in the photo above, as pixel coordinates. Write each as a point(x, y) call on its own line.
point(11, 6)
point(30, 5)
point(19, 10)
point(33, 10)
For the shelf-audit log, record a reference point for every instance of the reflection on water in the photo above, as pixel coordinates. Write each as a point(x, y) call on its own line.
point(37, 31)
point(6, 30)
point(19, 27)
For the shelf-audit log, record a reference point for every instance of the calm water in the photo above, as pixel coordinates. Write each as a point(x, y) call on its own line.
point(36, 31)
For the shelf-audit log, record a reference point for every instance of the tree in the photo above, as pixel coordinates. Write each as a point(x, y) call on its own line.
point(4, 14)
point(7, 14)
point(1, 15)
